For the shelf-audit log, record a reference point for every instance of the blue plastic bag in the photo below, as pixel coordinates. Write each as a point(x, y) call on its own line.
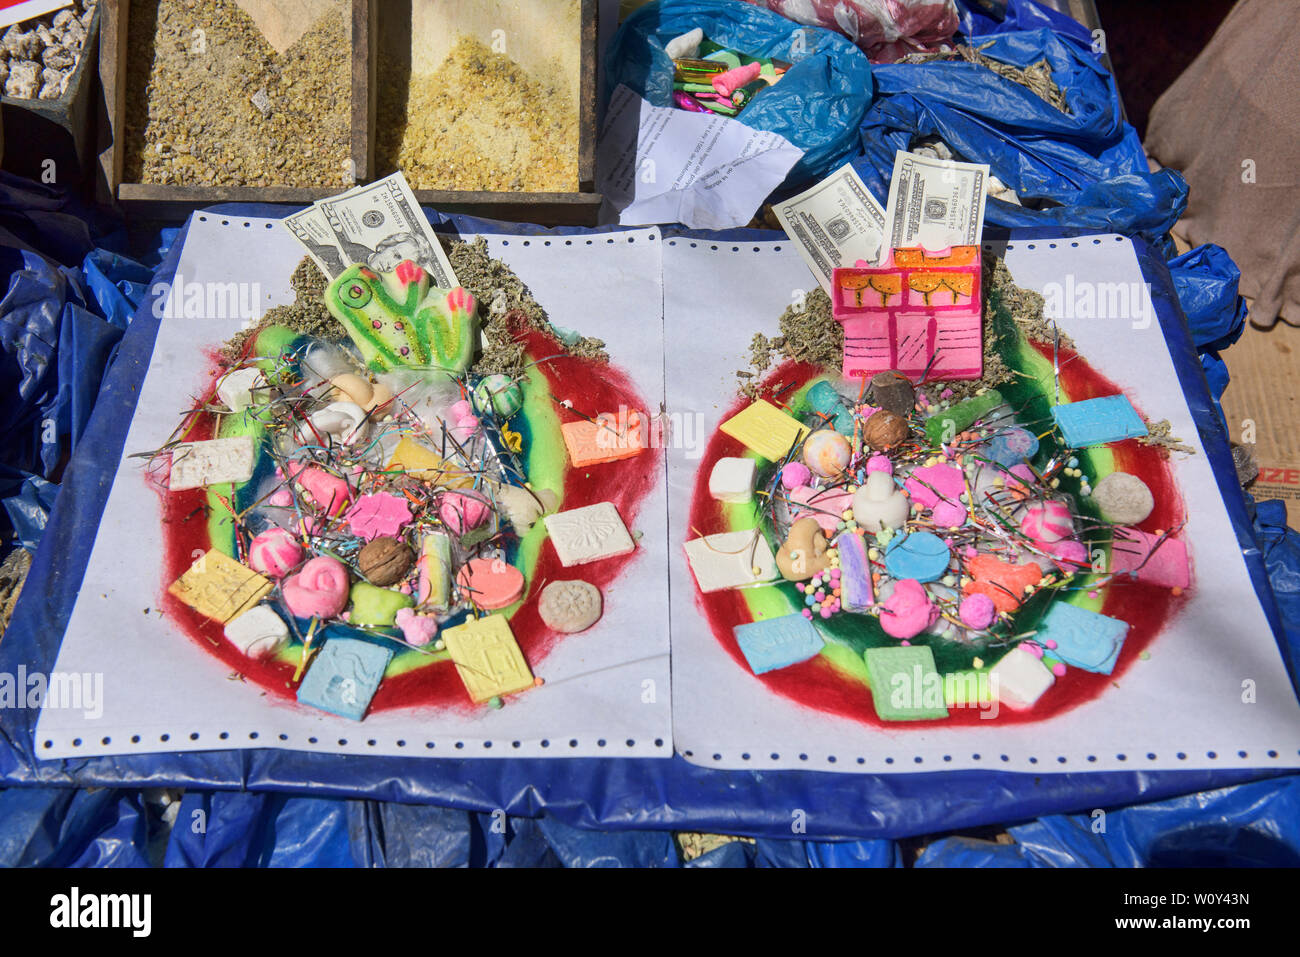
point(1020, 15)
point(818, 104)
point(1085, 168)
point(1206, 281)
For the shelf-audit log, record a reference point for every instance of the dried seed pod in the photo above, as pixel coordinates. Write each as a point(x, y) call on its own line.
point(884, 430)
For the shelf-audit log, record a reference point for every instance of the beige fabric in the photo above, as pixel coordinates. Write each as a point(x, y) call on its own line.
point(1234, 116)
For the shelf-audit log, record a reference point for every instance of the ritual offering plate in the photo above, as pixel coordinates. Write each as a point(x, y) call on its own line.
point(363, 518)
point(953, 524)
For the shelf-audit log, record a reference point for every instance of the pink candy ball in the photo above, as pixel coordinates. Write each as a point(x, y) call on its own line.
point(1047, 521)
point(880, 463)
point(977, 611)
point(460, 512)
point(794, 475)
point(274, 552)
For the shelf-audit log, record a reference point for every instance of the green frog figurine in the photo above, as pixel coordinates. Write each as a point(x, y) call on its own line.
point(398, 319)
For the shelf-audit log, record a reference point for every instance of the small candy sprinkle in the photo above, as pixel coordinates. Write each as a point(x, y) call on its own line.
point(494, 703)
point(1058, 669)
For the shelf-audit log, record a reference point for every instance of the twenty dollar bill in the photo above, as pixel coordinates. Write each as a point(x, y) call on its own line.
point(936, 203)
point(835, 223)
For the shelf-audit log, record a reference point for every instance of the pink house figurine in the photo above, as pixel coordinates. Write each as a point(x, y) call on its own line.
point(918, 313)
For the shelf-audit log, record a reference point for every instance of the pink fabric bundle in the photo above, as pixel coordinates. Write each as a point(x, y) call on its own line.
point(884, 29)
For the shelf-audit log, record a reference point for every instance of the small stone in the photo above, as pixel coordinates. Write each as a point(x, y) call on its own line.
point(57, 58)
point(62, 19)
point(21, 46)
point(893, 392)
point(1123, 499)
point(261, 101)
point(385, 561)
point(52, 87)
point(24, 80)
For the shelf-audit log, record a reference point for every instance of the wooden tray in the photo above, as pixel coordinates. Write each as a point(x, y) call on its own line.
point(577, 208)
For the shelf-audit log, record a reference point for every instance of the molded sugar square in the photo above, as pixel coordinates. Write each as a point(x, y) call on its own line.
point(1097, 421)
point(731, 560)
point(767, 430)
point(905, 685)
point(588, 534)
point(1020, 679)
point(344, 677)
point(1138, 554)
point(197, 464)
point(1083, 638)
point(219, 587)
point(610, 438)
point(235, 390)
point(732, 480)
point(774, 643)
point(258, 632)
point(488, 657)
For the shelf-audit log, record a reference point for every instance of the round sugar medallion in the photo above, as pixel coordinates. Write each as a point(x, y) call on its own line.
point(569, 606)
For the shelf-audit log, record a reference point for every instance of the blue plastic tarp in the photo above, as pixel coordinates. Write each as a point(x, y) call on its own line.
point(817, 105)
point(1083, 168)
point(60, 827)
point(585, 793)
point(1251, 825)
point(59, 328)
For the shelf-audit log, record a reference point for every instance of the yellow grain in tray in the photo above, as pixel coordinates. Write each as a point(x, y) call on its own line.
point(479, 122)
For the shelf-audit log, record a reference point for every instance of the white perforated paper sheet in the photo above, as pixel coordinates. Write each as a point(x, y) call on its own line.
point(606, 690)
point(1213, 693)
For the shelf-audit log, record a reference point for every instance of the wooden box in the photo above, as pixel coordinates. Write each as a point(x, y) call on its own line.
point(485, 19)
point(61, 132)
